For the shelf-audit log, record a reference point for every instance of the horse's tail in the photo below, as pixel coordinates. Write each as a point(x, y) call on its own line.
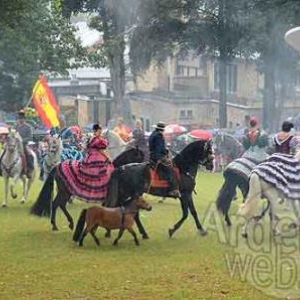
point(42, 205)
point(249, 208)
point(227, 192)
point(112, 190)
point(79, 226)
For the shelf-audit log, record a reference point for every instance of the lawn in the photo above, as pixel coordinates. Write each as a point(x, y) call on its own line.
point(39, 264)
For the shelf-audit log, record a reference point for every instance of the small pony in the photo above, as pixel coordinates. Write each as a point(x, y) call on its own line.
point(121, 218)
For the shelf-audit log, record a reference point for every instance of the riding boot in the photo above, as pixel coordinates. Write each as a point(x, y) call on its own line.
point(174, 191)
point(24, 163)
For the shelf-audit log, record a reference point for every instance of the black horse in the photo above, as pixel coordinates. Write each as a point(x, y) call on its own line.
point(133, 180)
point(44, 206)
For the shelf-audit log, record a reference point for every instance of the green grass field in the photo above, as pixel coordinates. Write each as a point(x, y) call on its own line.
point(39, 264)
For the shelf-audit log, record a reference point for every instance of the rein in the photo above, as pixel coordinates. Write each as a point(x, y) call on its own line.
point(12, 165)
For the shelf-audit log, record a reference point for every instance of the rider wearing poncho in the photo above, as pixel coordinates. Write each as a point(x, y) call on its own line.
point(254, 142)
point(282, 140)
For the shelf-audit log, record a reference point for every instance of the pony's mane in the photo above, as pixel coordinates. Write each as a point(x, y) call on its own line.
point(108, 133)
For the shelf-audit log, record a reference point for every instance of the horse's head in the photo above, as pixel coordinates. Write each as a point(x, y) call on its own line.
point(141, 203)
point(13, 140)
point(54, 143)
point(115, 143)
point(195, 153)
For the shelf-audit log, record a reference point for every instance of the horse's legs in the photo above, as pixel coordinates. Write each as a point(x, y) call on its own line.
point(61, 201)
point(185, 212)
point(68, 216)
point(23, 178)
point(140, 226)
point(195, 216)
point(272, 196)
point(29, 184)
point(121, 231)
point(85, 232)
point(6, 183)
point(130, 229)
point(12, 185)
point(93, 234)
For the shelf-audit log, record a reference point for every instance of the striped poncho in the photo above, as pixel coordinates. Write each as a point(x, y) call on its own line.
point(283, 172)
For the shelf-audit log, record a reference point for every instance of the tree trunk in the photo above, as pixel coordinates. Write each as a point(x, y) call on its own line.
point(223, 91)
point(269, 97)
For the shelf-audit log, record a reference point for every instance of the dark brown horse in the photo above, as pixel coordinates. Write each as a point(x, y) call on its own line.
point(44, 206)
point(134, 179)
point(121, 218)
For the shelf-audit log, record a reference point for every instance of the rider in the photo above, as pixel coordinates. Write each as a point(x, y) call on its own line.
point(159, 154)
point(65, 133)
point(283, 138)
point(26, 133)
point(97, 155)
point(138, 136)
point(254, 136)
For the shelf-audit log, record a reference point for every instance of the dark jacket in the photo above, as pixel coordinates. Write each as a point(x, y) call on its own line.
point(26, 132)
point(139, 137)
point(157, 146)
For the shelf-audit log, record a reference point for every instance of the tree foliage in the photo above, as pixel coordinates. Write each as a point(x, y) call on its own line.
point(34, 38)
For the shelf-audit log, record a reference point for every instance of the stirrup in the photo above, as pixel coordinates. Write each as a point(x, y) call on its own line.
point(175, 193)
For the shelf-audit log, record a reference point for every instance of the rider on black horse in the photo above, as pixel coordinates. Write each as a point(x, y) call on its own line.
point(159, 154)
point(26, 133)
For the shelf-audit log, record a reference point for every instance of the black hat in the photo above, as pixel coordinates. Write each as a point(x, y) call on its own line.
point(21, 114)
point(96, 127)
point(160, 126)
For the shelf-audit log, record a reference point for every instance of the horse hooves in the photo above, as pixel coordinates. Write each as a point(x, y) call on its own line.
point(4, 205)
point(23, 202)
point(55, 228)
point(107, 235)
point(203, 232)
point(14, 196)
point(171, 232)
point(145, 236)
point(245, 235)
point(71, 226)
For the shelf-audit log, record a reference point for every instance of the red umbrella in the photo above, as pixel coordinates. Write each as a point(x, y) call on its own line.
point(174, 129)
point(200, 134)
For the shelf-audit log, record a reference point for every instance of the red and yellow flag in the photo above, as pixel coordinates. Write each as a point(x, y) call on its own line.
point(45, 103)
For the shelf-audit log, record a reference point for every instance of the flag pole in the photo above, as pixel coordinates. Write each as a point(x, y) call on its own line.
point(34, 90)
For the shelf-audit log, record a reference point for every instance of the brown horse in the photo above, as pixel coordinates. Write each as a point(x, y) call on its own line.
point(121, 218)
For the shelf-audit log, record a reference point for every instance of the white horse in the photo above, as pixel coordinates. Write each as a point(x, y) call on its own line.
point(53, 155)
point(115, 143)
point(287, 169)
point(12, 167)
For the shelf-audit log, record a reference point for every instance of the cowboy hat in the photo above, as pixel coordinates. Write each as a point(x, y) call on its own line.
point(160, 126)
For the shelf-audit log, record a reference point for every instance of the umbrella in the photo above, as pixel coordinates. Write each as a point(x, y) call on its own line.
point(3, 130)
point(200, 134)
point(174, 129)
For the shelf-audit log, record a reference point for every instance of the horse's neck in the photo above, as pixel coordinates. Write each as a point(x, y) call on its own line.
point(10, 156)
point(131, 208)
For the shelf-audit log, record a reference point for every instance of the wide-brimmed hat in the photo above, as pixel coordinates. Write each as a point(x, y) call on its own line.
point(160, 126)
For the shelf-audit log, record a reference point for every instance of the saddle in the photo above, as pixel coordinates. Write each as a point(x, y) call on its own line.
point(157, 177)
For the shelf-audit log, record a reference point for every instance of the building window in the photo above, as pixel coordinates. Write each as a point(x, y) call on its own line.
point(231, 76)
point(186, 114)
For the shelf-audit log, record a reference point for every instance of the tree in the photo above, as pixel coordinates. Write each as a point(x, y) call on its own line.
point(114, 18)
point(268, 23)
point(34, 38)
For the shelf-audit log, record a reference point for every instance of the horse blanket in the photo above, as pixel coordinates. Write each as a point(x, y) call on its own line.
point(283, 172)
point(245, 164)
point(86, 179)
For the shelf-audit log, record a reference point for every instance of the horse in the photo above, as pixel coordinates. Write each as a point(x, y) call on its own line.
point(227, 149)
point(236, 174)
point(121, 218)
point(44, 204)
point(12, 167)
point(132, 180)
point(52, 156)
point(276, 178)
